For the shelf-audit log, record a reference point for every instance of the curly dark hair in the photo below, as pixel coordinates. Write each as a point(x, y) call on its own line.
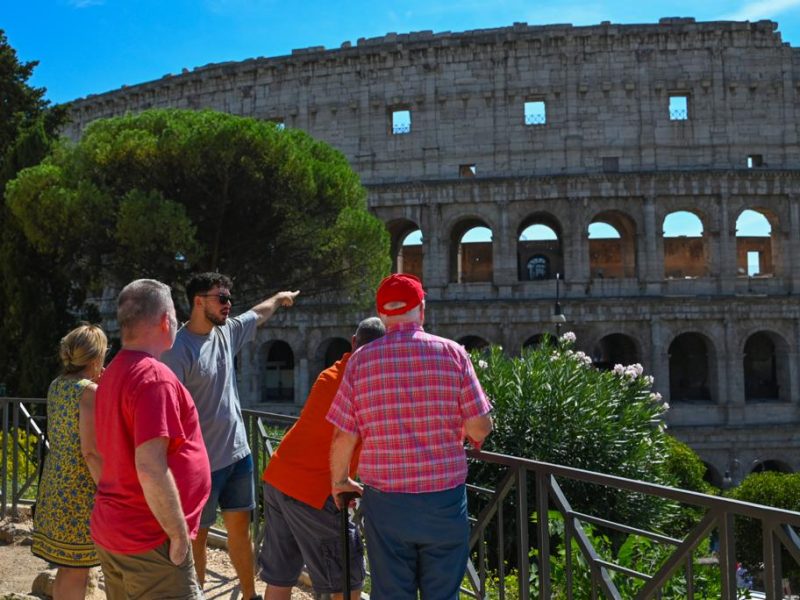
point(203, 282)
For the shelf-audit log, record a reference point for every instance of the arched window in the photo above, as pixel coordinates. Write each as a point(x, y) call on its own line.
point(473, 342)
point(277, 367)
point(336, 348)
point(615, 349)
point(773, 466)
point(538, 268)
point(754, 252)
point(537, 340)
point(471, 253)
point(766, 374)
point(612, 246)
point(690, 369)
point(539, 249)
point(407, 255)
point(685, 246)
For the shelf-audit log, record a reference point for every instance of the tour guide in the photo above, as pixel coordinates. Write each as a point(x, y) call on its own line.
point(410, 397)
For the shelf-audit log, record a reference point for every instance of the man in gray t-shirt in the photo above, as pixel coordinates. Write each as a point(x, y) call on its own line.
point(202, 358)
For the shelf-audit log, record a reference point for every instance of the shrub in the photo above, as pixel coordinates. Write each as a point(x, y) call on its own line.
point(550, 404)
point(771, 489)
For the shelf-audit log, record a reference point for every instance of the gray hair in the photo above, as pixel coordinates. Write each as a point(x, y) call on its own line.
point(369, 330)
point(412, 316)
point(143, 301)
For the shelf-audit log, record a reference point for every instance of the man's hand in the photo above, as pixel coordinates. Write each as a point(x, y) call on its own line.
point(343, 487)
point(267, 308)
point(286, 298)
point(178, 549)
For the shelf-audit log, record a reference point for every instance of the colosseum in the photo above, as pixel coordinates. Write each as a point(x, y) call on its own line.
point(636, 184)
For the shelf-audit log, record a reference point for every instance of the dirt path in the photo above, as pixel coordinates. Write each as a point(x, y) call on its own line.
point(19, 568)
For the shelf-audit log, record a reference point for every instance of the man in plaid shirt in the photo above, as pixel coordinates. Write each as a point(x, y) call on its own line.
point(411, 398)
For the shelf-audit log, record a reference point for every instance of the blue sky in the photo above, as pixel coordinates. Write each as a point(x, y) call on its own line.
point(92, 46)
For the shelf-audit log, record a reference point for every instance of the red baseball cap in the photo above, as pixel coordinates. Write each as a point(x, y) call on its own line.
point(398, 294)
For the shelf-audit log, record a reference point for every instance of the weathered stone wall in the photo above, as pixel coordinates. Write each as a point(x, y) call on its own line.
point(600, 143)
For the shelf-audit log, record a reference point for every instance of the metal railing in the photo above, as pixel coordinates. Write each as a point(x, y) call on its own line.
point(23, 445)
point(533, 488)
point(779, 527)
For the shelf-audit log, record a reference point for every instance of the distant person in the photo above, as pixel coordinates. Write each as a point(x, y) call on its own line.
point(410, 398)
point(72, 467)
point(155, 478)
point(202, 358)
point(302, 522)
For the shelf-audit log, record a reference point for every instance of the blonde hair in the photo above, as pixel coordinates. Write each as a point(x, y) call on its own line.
point(81, 347)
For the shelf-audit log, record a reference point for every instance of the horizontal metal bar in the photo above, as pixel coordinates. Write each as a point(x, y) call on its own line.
point(479, 490)
point(653, 489)
point(626, 529)
point(622, 569)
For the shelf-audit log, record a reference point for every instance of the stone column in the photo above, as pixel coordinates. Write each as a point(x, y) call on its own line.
point(731, 375)
point(659, 356)
point(301, 381)
point(504, 249)
point(575, 245)
point(435, 265)
point(791, 249)
point(651, 252)
point(726, 248)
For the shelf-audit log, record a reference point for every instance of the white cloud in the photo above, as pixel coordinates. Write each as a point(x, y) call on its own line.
point(761, 9)
point(85, 3)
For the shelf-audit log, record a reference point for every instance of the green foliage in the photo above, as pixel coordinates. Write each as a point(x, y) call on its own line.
point(550, 404)
point(637, 553)
point(35, 295)
point(25, 446)
point(685, 468)
point(273, 208)
point(780, 490)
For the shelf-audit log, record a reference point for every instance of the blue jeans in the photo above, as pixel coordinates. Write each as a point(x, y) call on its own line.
point(416, 542)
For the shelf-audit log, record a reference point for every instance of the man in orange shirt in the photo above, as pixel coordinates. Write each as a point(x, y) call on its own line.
point(302, 518)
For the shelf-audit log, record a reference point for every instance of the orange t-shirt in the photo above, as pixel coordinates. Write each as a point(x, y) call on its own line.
point(300, 467)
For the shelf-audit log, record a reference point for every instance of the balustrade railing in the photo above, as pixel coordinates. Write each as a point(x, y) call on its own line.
point(528, 496)
point(23, 445)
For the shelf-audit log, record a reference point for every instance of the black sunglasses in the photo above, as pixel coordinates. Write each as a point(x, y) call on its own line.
point(223, 298)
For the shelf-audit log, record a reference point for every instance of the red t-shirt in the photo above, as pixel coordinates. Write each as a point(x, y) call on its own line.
point(300, 467)
point(139, 399)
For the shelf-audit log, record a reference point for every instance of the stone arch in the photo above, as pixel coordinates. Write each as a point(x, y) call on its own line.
point(473, 342)
point(276, 369)
point(471, 261)
point(692, 368)
point(766, 372)
point(771, 465)
point(756, 242)
point(541, 256)
point(538, 339)
point(712, 475)
point(686, 248)
point(612, 256)
point(332, 350)
point(406, 246)
point(615, 349)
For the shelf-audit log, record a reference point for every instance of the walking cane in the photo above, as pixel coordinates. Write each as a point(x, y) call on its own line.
point(345, 498)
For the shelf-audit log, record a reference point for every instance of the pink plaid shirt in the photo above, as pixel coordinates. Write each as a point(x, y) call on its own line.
point(407, 396)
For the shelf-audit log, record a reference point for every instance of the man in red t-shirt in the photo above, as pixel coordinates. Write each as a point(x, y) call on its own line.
point(302, 518)
point(155, 477)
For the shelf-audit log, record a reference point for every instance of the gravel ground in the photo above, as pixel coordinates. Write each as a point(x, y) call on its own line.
point(18, 568)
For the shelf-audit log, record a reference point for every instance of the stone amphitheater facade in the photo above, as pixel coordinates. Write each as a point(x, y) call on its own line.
point(561, 127)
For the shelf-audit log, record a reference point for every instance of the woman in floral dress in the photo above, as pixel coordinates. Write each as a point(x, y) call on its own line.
point(72, 467)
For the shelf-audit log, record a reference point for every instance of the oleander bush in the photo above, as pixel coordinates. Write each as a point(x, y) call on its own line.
point(551, 404)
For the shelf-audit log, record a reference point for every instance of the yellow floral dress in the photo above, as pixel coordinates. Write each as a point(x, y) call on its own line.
point(66, 489)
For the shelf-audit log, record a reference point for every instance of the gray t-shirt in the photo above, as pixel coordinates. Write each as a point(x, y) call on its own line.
point(204, 364)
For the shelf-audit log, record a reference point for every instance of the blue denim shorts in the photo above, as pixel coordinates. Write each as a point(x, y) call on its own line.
point(232, 489)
